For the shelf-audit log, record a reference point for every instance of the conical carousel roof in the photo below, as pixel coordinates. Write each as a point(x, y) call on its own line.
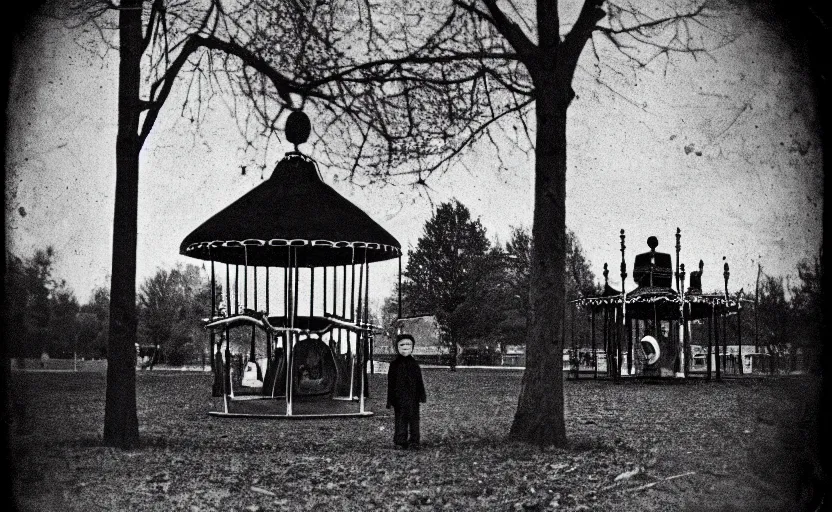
point(293, 212)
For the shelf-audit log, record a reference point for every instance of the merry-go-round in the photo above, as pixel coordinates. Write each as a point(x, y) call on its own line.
point(290, 269)
point(648, 332)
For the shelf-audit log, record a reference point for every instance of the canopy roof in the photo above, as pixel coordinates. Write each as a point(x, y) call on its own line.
point(667, 302)
point(293, 213)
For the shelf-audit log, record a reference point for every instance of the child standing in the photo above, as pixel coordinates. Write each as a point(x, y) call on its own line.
point(405, 391)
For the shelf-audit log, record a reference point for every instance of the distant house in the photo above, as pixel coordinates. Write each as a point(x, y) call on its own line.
point(513, 355)
point(431, 345)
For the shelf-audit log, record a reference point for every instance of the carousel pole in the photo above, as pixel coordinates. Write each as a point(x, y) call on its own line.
point(245, 301)
point(739, 330)
point(370, 337)
point(253, 354)
point(332, 341)
point(343, 311)
point(352, 287)
point(710, 337)
point(716, 342)
point(227, 289)
point(606, 338)
point(213, 314)
point(637, 329)
point(350, 353)
point(623, 298)
point(594, 353)
point(680, 348)
point(606, 322)
point(311, 291)
point(362, 360)
point(367, 294)
point(236, 289)
point(285, 334)
point(726, 274)
point(284, 337)
point(630, 346)
point(359, 335)
point(756, 307)
point(268, 334)
point(324, 287)
point(290, 321)
point(359, 310)
point(226, 379)
point(294, 283)
point(684, 323)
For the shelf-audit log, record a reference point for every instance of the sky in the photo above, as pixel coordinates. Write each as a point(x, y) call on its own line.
point(726, 148)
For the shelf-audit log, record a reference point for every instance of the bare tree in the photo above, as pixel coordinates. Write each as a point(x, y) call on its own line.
point(155, 44)
point(405, 87)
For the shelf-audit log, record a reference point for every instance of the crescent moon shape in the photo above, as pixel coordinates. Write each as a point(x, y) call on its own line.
point(651, 350)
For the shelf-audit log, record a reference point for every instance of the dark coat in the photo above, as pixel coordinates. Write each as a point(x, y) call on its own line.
point(405, 387)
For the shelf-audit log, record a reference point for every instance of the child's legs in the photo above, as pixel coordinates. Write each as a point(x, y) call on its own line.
point(413, 420)
point(401, 423)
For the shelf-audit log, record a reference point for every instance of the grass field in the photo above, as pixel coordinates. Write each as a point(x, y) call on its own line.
point(742, 444)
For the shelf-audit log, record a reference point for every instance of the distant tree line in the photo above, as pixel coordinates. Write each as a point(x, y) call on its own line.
point(41, 312)
point(788, 312)
point(43, 315)
point(478, 289)
point(789, 315)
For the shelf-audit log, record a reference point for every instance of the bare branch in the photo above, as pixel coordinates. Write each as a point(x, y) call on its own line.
point(191, 45)
point(513, 34)
point(155, 10)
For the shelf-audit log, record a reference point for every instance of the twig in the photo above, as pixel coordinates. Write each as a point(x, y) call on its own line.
point(651, 484)
point(262, 491)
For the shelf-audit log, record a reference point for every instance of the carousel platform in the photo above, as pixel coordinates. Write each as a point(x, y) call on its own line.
point(275, 408)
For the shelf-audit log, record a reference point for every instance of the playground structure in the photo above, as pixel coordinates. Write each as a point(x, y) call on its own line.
point(274, 242)
point(647, 332)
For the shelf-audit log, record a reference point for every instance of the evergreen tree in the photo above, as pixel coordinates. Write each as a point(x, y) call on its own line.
point(446, 270)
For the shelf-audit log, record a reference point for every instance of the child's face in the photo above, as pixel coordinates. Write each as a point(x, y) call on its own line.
point(405, 347)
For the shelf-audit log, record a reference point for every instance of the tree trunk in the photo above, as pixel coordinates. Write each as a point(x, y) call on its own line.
point(539, 416)
point(121, 425)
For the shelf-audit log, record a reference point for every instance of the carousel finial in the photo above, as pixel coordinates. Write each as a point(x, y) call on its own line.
point(726, 273)
point(623, 262)
point(606, 273)
point(297, 128)
point(678, 249)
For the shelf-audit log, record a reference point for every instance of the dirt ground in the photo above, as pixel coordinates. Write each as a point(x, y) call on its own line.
point(738, 445)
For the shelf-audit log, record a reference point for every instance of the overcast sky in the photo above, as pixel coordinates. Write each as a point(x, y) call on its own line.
point(727, 149)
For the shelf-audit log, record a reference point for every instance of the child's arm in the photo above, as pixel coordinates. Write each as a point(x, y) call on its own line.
point(391, 385)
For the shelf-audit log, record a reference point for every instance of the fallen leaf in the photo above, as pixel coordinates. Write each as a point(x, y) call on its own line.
point(628, 474)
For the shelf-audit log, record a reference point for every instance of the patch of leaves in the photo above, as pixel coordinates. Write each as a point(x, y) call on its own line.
point(682, 446)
